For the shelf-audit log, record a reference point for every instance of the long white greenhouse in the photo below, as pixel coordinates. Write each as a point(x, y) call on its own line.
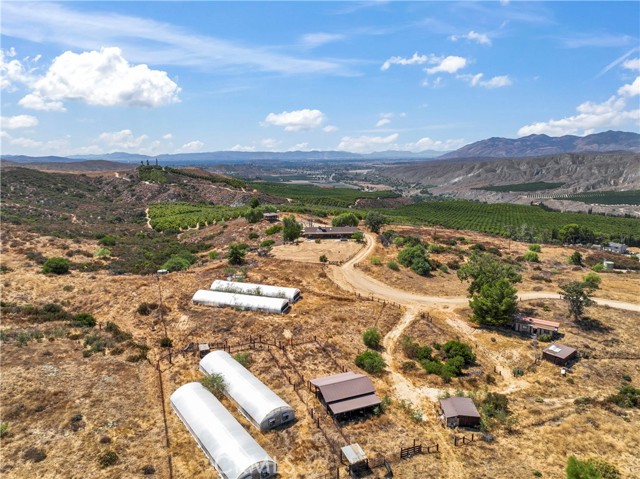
point(229, 447)
point(241, 301)
point(292, 294)
point(264, 408)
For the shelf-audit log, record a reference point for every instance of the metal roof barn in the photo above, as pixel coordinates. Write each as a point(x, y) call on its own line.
point(291, 294)
point(229, 447)
point(459, 411)
point(241, 301)
point(264, 408)
point(559, 354)
point(346, 392)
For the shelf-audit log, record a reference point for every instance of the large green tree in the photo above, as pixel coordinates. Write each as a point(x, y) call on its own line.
point(291, 229)
point(495, 303)
point(236, 253)
point(482, 269)
point(374, 221)
point(345, 219)
point(577, 295)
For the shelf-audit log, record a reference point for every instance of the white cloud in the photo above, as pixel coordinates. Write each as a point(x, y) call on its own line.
point(25, 142)
point(494, 82)
point(269, 143)
point(18, 121)
point(382, 122)
point(427, 143)
point(297, 120)
point(103, 78)
point(330, 128)
point(633, 64)
point(592, 116)
point(122, 139)
point(450, 64)
point(366, 144)
point(12, 71)
point(168, 136)
point(435, 83)
point(630, 90)
point(300, 147)
point(313, 40)
point(414, 60)
point(191, 147)
point(149, 41)
point(36, 102)
point(242, 148)
point(481, 38)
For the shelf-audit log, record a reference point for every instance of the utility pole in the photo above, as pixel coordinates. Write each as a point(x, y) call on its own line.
point(164, 325)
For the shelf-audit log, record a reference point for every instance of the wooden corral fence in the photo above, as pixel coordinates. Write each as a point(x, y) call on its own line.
point(409, 452)
point(461, 441)
point(378, 300)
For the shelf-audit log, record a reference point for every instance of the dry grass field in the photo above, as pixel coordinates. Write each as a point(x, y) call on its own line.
point(48, 383)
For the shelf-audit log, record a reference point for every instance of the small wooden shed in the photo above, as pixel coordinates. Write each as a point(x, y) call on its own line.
point(559, 354)
point(459, 412)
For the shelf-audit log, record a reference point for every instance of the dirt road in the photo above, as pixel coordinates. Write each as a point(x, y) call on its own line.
point(350, 277)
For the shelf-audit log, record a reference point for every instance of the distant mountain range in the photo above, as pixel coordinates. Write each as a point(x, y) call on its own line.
point(540, 145)
point(528, 146)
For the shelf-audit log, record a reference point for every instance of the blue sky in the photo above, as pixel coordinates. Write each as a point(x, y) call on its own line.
point(169, 77)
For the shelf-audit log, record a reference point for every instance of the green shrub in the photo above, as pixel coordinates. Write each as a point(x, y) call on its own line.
point(213, 255)
point(145, 309)
point(593, 279)
point(323, 258)
point(243, 358)
point(413, 350)
point(4, 429)
point(376, 261)
point(545, 338)
point(371, 338)
point(535, 248)
point(271, 230)
point(358, 237)
point(107, 240)
point(267, 243)
point(56, 266)
point(102, 253)
point(443, 268)
point(392, 265)
point(253, 215)
point(575, 258)
point(176, 263)
point(371, 361)
point(107, 458)
point(627, 397)
point(597, 268)
point(253, 235)
point(166, 342)
point(518, 372)
point(84, 320)
point(236, 253)
point(531, 257)
point(457, 348)
point(215, 384)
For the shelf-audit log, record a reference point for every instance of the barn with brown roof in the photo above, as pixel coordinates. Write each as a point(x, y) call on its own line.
point(459, 412)
point(346, 393)
point(535, 326)
point(329, 232)
point(559, 354)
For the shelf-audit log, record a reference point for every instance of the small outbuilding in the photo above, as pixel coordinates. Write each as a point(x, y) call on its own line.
point(271, 217)
point(559, 354)
point(329, 232)
point(290, 294)
point(345, 394)
point(459, 412)
point(241, 301)
point(229, 447)
point(259, 404)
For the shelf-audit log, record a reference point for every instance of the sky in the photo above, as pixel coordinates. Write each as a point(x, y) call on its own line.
point(176, 77)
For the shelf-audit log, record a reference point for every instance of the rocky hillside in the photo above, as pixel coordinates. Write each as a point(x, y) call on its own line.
point(538, 145)
point(577, 171)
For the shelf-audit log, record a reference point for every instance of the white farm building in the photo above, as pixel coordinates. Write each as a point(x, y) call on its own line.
point(264, 408)
point(241, 301)
point(291, 294)
point(229, 447)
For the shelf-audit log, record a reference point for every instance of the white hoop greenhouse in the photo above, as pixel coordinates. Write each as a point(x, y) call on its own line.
point(292, 294)
point(241, 301)
point(229, 447)
point(264, 408)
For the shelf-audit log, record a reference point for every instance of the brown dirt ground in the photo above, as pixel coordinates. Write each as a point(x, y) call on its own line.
point(309, 251)
point(121, 399)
